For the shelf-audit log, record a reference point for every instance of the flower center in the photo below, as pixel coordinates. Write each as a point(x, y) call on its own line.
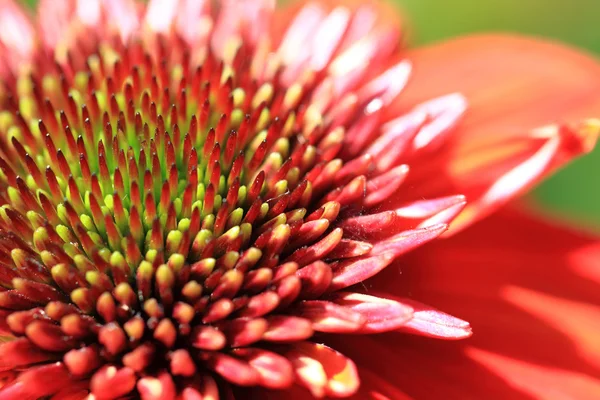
point(158, 208)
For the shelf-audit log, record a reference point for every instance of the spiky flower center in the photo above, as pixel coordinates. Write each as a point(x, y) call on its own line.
point(156, 210)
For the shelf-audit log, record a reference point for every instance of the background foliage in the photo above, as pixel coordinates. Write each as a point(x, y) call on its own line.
point(574, 191)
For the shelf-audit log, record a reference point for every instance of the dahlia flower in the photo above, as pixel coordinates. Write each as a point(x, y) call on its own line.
point(205, 200)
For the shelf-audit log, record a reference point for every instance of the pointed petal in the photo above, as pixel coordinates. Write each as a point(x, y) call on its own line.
point(408, 240)
point(430, 322)
point(351, 272)
point(329, 317)
point(381, 314)
point(507, 103)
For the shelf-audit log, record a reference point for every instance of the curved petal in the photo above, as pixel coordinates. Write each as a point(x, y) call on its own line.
point(512, 83)
point(380, 314)
point(530, 291)
point(512, 87)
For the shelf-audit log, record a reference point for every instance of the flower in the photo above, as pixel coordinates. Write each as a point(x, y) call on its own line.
point(204, 200)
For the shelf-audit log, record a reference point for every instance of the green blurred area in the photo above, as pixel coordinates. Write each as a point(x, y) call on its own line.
point(574, 191)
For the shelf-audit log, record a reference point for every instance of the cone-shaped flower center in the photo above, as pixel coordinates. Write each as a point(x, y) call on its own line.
point(175, 219)
point(156, 212)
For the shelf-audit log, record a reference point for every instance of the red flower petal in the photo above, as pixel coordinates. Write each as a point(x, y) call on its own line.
point(381, 314)
point(329, 317)
point(530, 291)
point(430, 322)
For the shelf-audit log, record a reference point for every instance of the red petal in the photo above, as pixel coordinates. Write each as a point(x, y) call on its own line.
point(315, 279)
point(351, 272)
point(529, 289)
point(329, 317)
point(430, 322)
point(241, 332)
point(381, 314)
point(374, 387)
point(74, 391)
point(42, 381)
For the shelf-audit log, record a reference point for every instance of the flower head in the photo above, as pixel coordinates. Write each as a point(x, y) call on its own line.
point(192, 198)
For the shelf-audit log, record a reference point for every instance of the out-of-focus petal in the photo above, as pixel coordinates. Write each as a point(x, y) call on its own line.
point(17, 36)
point(123, 15)
point(237, 21)
point(193, 20)
point(512, 83)
point(510, 88)
point(54, 18)
point(160, 14)
point(345, 39)
point(530, 291)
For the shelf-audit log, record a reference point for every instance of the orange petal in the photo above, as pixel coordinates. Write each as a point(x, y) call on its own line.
point(529, 289)
point(494, 172)
point(491, 170)
point(512, 84)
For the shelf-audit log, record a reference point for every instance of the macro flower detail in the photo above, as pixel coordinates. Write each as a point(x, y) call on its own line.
point(197, 198)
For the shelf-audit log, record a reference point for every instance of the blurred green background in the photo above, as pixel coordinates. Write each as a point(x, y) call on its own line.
point(573, 192)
